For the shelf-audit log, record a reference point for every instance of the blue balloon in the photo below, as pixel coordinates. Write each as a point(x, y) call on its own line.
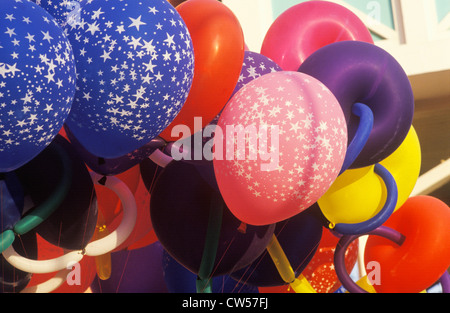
point(181, 280)
point(64, 11)
point(134, 271)
point(37, 81)
point(135, 65)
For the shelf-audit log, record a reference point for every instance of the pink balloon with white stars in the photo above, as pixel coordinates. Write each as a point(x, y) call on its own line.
point(280, 144)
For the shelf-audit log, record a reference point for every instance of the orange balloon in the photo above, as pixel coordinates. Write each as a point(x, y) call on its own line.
point(424, 255)
point(219, 49)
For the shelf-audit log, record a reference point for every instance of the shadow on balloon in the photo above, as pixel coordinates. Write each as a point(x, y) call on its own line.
point(195, 227)
point(134, 271)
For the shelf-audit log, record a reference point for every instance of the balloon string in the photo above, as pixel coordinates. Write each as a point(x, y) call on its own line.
point(300, 284)
point(211, 243)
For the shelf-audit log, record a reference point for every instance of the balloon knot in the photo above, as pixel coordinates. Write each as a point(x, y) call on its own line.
point(242, 228)
point(102, 181)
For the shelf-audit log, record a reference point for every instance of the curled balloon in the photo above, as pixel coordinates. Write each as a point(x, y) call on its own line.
point(360, 72)
point(74, 278)
point(65, 189)
point(135, 66)
point(306, 27)
point(359, 195)
point(218, 43)
point(278, 146)
point(423, 223)
point(291, 248)
point(33, 111)
point(13, 280)
point(197, 229)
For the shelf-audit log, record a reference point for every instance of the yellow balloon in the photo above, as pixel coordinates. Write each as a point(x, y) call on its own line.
point(357, 195)
point(298, 284)
point(404, 165)
point(102, 262)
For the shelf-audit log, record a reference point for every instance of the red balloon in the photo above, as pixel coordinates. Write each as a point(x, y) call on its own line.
point(307, 27)
point(218, 43)
point(320, 271)
point(423, 257)
point(87, 269)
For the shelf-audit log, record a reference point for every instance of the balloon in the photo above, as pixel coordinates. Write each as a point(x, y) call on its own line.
point(355, 72)
point(404, 165)
point(358, 195)
point(136, 271)
point(112, 208)
point(108, 202)
point(320, 271)
point(13, 280)
point(180, 280)
point(64, 11)
point(303, 124)
point(255, 65)
point(218, 43)
point(183, 205)
point(299, 238)
point(72, 223)
point(117, 165)
point(135, 66)
point(11, 200)
point(37, 69)
point(150, 172)
point(306, 27)
point(77, 280)
point(423, 256)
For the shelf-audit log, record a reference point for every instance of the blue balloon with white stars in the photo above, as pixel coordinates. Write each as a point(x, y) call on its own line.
point(135, 65)
point(63, 11)
point(37, 81)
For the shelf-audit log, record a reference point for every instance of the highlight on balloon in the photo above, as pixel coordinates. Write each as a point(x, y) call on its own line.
point(145, 148)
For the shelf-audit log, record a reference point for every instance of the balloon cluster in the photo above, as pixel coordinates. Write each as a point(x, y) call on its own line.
point(143, 136)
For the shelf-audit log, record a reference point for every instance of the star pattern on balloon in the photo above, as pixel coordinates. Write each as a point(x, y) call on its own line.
point(301, 139)
point(37, 76)
point(300, 126)
point(134, 65)
point(255, 65)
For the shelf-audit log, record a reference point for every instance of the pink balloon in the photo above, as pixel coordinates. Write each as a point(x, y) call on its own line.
point(295, 140)
point(306, 27)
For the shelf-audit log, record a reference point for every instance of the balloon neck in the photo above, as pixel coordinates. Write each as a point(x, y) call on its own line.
point(204, 285)
point(242, 228)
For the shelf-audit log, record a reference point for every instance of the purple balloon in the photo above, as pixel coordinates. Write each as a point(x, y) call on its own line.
point(359, 72)
point(255, 65)
point(134, 271)
point(180, 209)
